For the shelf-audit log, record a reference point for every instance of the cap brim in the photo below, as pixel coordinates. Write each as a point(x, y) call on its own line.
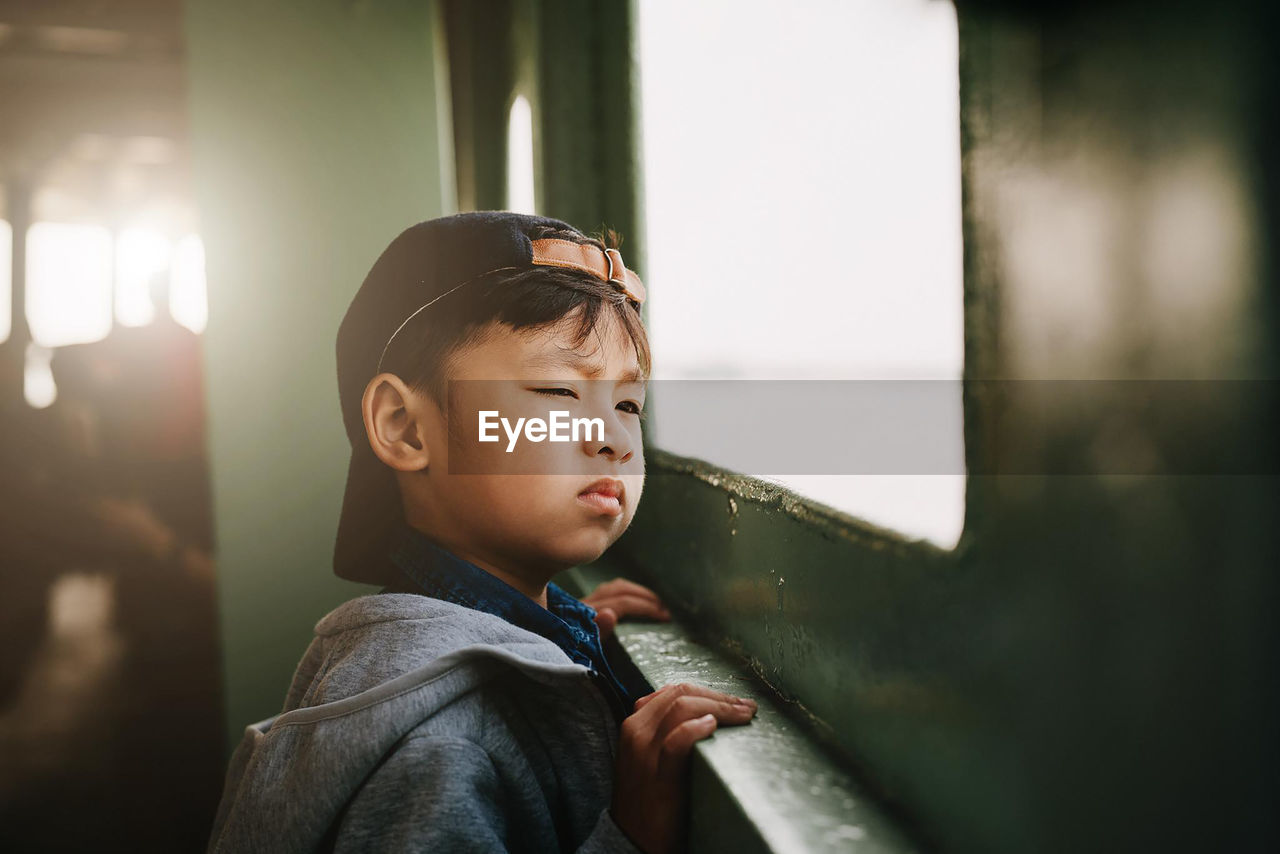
point(371, 514)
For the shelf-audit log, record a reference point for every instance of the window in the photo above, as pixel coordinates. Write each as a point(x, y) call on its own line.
point(802, 194)
point(68, 283)
point(520, 157)
point(72, 297)
point(6, 283)
point(141, 254)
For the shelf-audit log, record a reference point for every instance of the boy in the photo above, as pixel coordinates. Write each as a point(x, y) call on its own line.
point(469, 705)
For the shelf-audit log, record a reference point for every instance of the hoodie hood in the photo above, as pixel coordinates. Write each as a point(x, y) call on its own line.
point(409, 631)
point(379, 666)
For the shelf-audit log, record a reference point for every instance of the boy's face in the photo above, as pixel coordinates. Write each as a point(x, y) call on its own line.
point(530, 508)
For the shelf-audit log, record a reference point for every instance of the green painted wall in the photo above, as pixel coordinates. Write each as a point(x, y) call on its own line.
point(1094, 667)
point(318, 136)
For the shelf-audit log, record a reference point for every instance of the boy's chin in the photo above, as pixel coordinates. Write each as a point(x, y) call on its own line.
point(581, 549)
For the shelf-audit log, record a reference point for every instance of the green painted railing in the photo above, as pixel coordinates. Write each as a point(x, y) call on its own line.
point(768, 786)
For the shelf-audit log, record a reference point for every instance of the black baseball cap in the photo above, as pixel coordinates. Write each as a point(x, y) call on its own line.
point(424, 263)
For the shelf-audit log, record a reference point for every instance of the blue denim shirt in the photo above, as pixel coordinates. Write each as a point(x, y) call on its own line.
point(566, 621)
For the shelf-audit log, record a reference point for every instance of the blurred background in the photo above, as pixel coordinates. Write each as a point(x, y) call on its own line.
point(110, 684)
point(193, 190)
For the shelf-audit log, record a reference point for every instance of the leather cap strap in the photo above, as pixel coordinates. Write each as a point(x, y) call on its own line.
point(605, 265)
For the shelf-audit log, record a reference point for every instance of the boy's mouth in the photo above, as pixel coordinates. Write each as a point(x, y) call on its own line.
point(604, 495)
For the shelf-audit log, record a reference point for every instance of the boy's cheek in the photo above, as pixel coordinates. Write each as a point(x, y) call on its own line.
point(524, 458)
point(515, 507)
point(634, 484)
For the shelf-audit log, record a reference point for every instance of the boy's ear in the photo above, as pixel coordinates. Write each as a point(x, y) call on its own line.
point(394, 423)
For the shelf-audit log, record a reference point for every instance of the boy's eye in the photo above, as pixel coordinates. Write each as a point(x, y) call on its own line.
point(628, 405)
point(632, 407)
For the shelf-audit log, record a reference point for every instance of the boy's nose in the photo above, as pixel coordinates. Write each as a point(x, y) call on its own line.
point(618, 451)
point(617, 443)
point(609, 452)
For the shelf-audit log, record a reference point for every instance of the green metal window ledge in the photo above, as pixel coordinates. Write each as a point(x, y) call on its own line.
point(766, 786)
point(769, 786)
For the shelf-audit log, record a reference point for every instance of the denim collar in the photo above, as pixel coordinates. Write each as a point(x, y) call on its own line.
point(567, 622)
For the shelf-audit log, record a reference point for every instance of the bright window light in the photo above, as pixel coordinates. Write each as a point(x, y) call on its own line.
point(38, 387)
point(188, 300)
point(68, 283)
point(520, 157)
point(141, 254)
point(6, 282)
point(802, 194)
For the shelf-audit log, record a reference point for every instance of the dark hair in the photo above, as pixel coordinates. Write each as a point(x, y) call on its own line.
point(534, 298)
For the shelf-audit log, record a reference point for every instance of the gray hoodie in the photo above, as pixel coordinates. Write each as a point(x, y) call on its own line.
point(415, 724)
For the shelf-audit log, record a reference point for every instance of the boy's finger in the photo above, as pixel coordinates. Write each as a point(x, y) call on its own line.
point(632, 586)
point(629, 605)
point(606, 619)
point(690, 706)
point(624, 585)
point(651, 708)
point(678, 688)
point(674, 752)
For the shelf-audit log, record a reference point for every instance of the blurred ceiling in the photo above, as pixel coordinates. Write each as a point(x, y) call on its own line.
point(93, 105)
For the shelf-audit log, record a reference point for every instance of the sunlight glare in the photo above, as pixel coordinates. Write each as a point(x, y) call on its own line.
point(188, 290)
point(38, 387)
point(6, 283)
point(520, 157)
point(141, 253)
point(68, 283)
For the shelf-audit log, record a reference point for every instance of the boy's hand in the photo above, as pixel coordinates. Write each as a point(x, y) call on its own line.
point(650, 790)
point(620, 598)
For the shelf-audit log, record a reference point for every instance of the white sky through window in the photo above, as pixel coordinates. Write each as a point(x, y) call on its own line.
point(802, 195)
